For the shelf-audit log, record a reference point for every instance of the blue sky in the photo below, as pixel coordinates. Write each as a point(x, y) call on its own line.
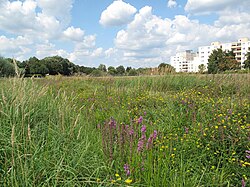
point(122, 32)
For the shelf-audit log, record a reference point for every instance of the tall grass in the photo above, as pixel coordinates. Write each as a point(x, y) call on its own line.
point(45, 139)
point(60, 131)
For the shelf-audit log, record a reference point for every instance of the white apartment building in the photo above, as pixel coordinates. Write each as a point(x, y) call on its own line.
point(189, 61)
point(183, 61)
point(240, 48)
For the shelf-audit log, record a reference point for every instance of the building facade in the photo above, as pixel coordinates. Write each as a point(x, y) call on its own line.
point(183, 61)
point(189, 62)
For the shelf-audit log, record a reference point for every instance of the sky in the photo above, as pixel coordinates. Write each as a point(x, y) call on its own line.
point(137, 33)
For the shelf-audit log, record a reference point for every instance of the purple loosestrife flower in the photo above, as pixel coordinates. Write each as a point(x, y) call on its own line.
point(149, 142)
point(145, 113)
point(126, 169)
point(143, 128)
point(155, 134)
point(243, 183)
point(140, 145)
point(112, 123)
point(248, 154)
point(140, 119)
point(186, 130)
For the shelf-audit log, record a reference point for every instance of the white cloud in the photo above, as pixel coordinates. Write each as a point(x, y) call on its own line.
point(118, 13)
point(74, 34)
point(58, 9)
point(172, 3)
point(18, 46)
point(209, 6)
point(97, 52)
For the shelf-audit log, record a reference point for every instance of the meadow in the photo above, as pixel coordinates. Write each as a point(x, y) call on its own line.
point(172, 130)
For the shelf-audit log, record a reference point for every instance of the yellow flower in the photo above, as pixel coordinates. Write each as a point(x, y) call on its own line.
point(128, 181)
point(98, 180)
point(117, 175)
point(119, 178)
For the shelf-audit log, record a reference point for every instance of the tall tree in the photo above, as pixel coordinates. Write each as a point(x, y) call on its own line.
point(7, 69)
point(217, 57)
point(102, 67)
point(247, 61)
point(112, 70)
point(120, 70)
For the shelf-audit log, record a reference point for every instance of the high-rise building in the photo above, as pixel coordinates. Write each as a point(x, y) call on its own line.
point(183, 61)
point(240, 49)
point(189, 61)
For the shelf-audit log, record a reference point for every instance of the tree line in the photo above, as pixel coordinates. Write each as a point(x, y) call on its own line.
point(56, 65)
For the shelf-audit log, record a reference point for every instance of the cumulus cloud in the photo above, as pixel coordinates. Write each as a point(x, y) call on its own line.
point(209, 6)
point(18, 46)
point(74, 34)
point(152, 39)
point(118, 13)
point(172, 3)
point(58, 9)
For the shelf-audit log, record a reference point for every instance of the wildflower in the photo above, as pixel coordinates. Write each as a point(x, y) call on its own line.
point(117, 175)
point(119, 178)
point(126, 169)
point(112, 123)
point(98, 180)
point(243, 183)
point(140, 144)
point(248, 154)
point(149, 142)
point(186, 130)
point(143, 129)
point(128, 181)
point(140, 119)
point(155, 134)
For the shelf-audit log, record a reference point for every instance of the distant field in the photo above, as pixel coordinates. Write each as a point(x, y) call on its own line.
point(174, 130)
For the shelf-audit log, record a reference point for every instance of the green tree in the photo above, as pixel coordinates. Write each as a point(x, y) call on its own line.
point(7, 69)
point(128, 69)
point(247, 61)
point(120, 70)
point(202, 68)
point(97, 73)
point(132, 72)
point(221, 61)
point(102, 67)
point(112, 70)
point(217, 57)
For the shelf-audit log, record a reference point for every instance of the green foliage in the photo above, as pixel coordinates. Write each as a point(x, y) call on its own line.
point(102, 67)
point(120, 70)
point(7, 68)
point(220, 61)
point(97, 73)
point(202, 68)
point(132, 72)
point(112, 70)
point(247, 61)
point(165, 68)
point(60, 135)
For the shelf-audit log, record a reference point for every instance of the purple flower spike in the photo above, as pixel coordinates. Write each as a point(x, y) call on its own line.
point(140, 145)
point(155, 134)
point(143, 128)
point(140, 119)
point(126, 169)
point(243, 183)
